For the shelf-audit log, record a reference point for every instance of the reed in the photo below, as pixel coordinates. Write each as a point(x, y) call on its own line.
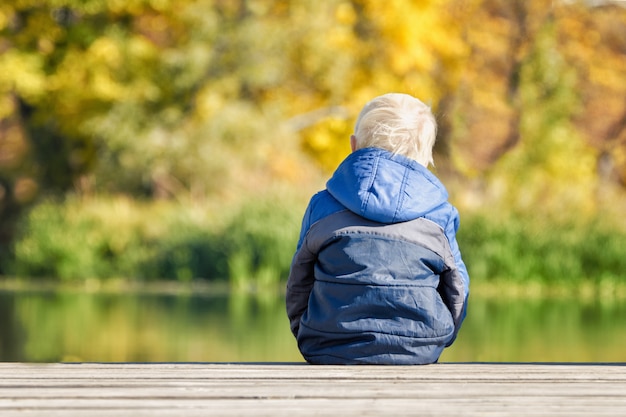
point(545, 250)
point(250, 246)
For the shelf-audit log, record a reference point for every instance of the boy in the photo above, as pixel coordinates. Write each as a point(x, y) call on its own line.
point(377, 277)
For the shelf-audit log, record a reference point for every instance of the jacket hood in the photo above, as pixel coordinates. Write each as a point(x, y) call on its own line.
point(386, 188)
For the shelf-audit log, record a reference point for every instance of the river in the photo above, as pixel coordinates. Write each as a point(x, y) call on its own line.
point(75, 326)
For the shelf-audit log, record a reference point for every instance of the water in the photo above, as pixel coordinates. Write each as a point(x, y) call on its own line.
point(42, 326)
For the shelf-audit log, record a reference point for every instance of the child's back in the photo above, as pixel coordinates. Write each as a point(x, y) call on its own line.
point(377, 276)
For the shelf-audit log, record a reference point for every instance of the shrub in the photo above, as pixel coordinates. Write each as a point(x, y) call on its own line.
point(107, 238)
point(548, 251)
point(251, 246)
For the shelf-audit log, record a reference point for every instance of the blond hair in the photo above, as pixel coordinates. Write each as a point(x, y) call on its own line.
point(399, 123)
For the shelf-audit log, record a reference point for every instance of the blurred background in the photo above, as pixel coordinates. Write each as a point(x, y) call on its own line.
point(156, 157)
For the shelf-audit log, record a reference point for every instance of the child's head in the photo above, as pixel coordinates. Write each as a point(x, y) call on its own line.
point(398, 123)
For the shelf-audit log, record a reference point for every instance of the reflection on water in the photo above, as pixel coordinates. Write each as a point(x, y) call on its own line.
point(541, 330)
point(74, 326)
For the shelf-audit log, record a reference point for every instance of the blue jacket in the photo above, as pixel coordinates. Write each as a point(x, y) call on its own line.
point(377, 277)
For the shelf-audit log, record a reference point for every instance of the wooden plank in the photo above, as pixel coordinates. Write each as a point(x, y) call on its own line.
point(299, 389)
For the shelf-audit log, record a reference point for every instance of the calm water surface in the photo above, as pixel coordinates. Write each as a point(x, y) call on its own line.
point(81, 326)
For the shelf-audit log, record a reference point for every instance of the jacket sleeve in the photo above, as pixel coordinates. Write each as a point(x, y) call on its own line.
point(301, 277)
point(299, 286)
point(454, 282)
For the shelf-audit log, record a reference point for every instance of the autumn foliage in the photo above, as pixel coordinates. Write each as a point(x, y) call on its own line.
point(209, 100)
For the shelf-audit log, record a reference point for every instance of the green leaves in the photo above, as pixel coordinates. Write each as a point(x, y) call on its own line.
point(210, 101)
point(148, 82)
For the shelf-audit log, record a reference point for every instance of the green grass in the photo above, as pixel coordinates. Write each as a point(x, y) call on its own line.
point(103, 239)
point(552, 252)
point(251, 245)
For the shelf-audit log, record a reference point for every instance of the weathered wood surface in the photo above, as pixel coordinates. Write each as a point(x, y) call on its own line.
point(450, 389)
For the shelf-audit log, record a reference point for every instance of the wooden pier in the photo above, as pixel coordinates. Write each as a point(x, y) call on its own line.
point(248, 389)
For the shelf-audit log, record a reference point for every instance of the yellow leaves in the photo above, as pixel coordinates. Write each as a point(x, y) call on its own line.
point(417, 58)
point(208, 102)
point(329, 141)
point(79, 77)
point(610, 74)
point(341, 38)
point(232, 71)
point(591, 42)
point(406, 26)
point(133, 7)
point(399, 45)
point(97, 74)
point(105, 88)
point(40, 24)
point(22, 73)
point(568, 159)
point(103, 60)
point(7, 106)
point(419, 43)
point(105, 51)
point(488, 35)
point(95, 70)
point(345, 14)
point(162, 5)
point(140, 48)
point(4, 17)
point(525, 86)
point(555, 169)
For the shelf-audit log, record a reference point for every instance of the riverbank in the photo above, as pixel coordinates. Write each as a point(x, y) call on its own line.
point(607, 290)
point(103, 242)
